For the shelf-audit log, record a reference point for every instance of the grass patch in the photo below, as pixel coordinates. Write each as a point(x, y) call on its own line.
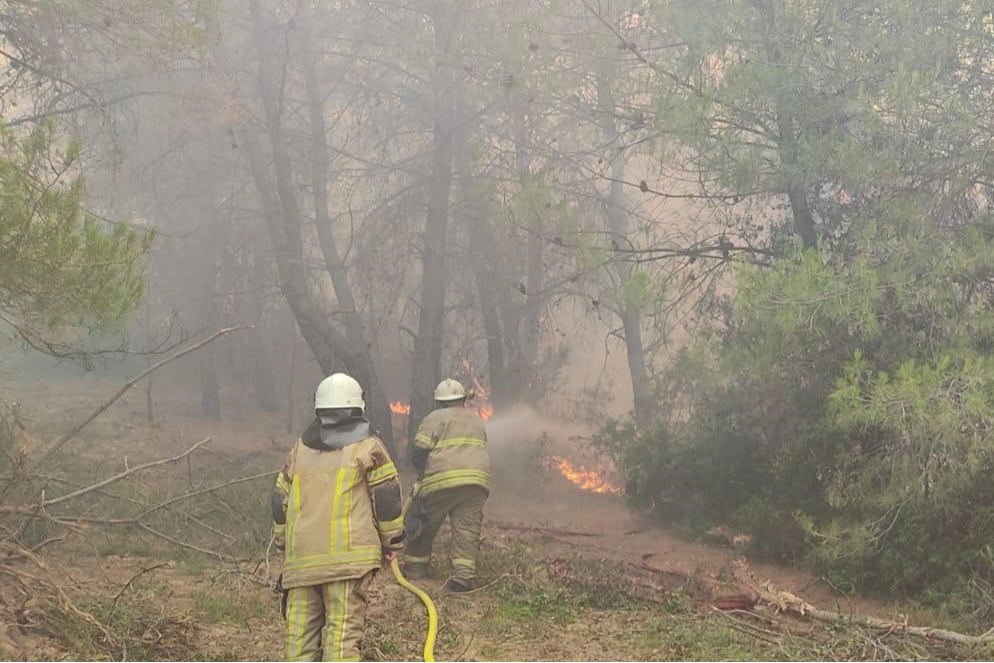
point(217, 606)
point(140, 624)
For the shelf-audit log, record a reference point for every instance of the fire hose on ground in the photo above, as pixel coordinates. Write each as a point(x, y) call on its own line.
point(432, 632)
point(429, 650)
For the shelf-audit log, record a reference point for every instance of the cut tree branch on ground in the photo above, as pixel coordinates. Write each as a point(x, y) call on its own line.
point(75, 430)
point(135, 577)
point(788, 603)
point(121, 475)
point(723, 596)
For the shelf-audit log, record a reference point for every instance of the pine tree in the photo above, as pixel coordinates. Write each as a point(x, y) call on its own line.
point(64, 273)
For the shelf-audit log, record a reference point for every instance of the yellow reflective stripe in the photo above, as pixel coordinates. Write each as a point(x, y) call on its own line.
point(346, 515)
point(297, 619)
point(460, 442)
point(339, 591)
point(292, 521)
point(282, 484)
point(422, 440)
point(388, 527)
point(336, 506)
point(381, 474)
point(450, 478)
point(416, 559)
point(464, 562)
point(363, 554)
point(279, 530)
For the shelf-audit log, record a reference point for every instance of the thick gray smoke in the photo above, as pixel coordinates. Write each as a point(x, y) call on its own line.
point(520, 438)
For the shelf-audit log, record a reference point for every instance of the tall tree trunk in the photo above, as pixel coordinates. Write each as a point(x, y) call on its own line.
point(210, 388)
point(535, 277)
point(210, 247)
point(794, 182)
point(482, 259)
point(331, 348)
point(149, 341)
point(616, 211)
point(616, 215)
point(360, 347)
point(291, 380)
point(263, 381)
point(428, 344)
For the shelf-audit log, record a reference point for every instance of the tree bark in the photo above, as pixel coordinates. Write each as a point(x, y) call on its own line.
point(428, 343)
point(794, 180)
point(210, 387)
point(330, 347)
point(263, 381)
point(534, 280)
point(149, 336)
point(616, 216)
point(360, 347)
point(482, 258)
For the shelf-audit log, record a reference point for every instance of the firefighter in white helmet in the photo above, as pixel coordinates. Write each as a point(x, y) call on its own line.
point(337, 515)
point(450, 454)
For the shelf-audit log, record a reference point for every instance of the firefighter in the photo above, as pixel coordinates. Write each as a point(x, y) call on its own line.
point(450, 455)
point(337, 515)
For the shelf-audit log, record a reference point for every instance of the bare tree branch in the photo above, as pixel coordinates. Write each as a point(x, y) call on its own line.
point(121, 475)
point(128, 385)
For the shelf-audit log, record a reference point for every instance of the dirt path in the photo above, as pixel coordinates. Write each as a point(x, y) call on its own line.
point(625, 536)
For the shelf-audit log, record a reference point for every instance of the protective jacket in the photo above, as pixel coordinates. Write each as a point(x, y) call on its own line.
point(339, 498)
point(450, 449)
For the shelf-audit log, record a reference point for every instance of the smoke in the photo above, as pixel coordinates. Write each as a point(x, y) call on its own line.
point(520, 438)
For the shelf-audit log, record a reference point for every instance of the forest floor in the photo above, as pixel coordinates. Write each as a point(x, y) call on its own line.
point(562, 573)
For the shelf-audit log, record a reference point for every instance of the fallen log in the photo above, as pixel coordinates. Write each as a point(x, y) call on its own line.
point(787, 602)
point(720, 595)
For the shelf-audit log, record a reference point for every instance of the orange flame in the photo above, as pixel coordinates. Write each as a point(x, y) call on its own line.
point(479, 404)
point(584, 478)
point(481, 400)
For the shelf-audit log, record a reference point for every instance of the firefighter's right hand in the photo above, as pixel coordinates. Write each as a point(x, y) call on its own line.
point(388, 556)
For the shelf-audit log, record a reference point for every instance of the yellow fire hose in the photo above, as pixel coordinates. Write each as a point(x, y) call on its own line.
point(429, 650)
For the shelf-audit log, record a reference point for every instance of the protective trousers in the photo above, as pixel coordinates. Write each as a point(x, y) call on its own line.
point(463, 506)
point(338, 607)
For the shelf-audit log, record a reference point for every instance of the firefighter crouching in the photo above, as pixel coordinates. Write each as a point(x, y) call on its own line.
point(450, 454)
point(337, 511)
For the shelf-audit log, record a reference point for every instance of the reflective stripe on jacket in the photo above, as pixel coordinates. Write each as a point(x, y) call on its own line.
point(457, 443)
point(331, 530)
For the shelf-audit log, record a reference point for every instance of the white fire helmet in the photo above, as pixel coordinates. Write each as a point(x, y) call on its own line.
point(339, 391)
point(449, 390)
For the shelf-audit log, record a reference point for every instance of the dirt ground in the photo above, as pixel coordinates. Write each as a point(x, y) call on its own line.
point(561, 570)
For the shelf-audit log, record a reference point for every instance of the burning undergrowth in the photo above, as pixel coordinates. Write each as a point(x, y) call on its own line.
point(584, 478)
point(521, 440)
point(478, 401)
point(531, 450)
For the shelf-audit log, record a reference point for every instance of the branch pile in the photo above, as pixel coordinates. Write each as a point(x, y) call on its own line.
point(740, 595)
point(39, 508)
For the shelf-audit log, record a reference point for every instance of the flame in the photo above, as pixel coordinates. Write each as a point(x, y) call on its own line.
point(481, 400)
point(584, 478)
point(479, 404)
